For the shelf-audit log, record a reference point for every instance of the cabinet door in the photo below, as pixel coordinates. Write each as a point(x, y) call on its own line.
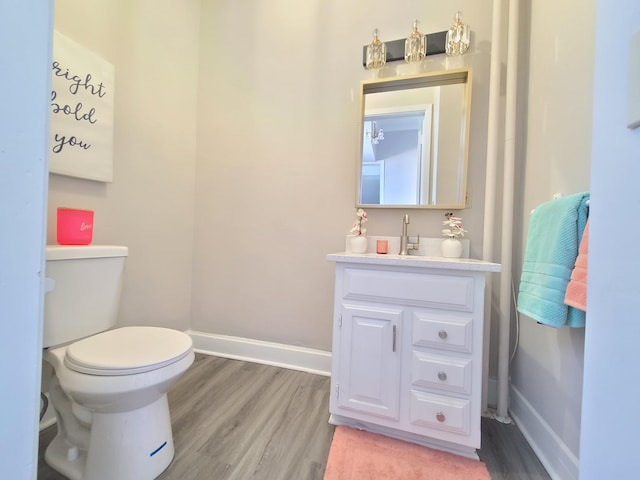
point(369, 353)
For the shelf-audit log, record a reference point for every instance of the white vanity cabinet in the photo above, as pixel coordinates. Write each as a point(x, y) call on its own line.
point(407, 348)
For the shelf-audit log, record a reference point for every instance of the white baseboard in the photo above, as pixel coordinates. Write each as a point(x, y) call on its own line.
point(267, 353)
point(558, 460)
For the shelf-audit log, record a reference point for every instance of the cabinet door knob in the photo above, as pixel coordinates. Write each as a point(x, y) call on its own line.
point(442, 376)
point(440, 417)
point(442, 334)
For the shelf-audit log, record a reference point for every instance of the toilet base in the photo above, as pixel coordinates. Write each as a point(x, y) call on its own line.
point(135, 445)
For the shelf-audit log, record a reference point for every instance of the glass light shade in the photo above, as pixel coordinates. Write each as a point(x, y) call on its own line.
point(415, 46)
point(458, 37)
point(376, 134)
point(376, 52)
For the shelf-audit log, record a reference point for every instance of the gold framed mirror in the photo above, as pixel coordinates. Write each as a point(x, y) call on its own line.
point(414, 141)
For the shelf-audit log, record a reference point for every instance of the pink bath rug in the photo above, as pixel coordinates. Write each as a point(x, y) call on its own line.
point(360, 455)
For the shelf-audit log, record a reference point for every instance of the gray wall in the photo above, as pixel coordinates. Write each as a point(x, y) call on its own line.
point(277, 155)
point(149, 207)
point(555, 115)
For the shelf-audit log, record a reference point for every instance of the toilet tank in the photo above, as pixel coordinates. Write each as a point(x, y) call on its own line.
point(82, 286)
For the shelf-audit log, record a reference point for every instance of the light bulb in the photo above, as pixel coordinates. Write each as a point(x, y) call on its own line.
point(415, 46)
point(458, 37)
point(376, 52)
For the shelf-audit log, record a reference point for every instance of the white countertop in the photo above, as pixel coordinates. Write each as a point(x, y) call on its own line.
point(468, 264)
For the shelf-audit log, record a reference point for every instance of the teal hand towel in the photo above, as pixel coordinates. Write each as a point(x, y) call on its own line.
point(555, 231)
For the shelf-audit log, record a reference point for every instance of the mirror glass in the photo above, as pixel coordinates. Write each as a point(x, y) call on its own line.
point(414, 141)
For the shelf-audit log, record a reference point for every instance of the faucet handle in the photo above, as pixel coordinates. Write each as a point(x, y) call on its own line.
point(416, 245)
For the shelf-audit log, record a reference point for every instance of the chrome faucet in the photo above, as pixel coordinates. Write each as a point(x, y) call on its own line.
point(405, 246)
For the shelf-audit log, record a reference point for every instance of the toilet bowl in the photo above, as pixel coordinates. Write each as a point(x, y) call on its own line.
point(109, 385)
point(110, 396)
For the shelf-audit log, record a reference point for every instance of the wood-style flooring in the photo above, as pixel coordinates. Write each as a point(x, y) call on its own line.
point(235, 420)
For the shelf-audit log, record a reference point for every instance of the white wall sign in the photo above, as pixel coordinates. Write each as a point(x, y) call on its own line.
point(82, 92)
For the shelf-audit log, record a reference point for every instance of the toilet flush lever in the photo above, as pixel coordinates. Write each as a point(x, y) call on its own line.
point(49, 284)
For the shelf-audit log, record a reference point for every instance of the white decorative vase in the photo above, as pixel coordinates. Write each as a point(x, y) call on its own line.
point(358, 244)
point(451, 248)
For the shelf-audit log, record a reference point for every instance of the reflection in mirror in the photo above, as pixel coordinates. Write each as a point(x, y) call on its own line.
point(414, 141)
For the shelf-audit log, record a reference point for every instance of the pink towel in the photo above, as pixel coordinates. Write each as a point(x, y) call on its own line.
point(576, 294)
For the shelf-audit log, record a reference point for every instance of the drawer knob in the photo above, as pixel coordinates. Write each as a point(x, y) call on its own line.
point(442, 376)
point(440, 417)
point(442, 334)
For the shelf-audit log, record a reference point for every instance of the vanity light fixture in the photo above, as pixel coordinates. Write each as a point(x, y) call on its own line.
point(415, 46)
point(434, 44)
point(376, 134)
point(458, 37)
point(376, 52)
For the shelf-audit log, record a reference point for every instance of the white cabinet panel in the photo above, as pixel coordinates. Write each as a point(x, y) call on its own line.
point(441, 413)
point(441, 372)
point(453, 292)
point(369, 375)
point(444, 331)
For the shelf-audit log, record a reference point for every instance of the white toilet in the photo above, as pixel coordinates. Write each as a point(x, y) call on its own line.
point(109, 389)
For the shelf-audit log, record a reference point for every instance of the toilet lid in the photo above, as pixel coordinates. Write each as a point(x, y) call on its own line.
point(127, 351)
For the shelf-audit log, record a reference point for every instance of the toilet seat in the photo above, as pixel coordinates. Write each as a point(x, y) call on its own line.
point(127, 351)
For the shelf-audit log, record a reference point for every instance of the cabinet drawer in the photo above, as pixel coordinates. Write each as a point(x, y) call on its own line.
point(438, 371)
point(451, 292)
point(440, 412)
point(443, 331)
